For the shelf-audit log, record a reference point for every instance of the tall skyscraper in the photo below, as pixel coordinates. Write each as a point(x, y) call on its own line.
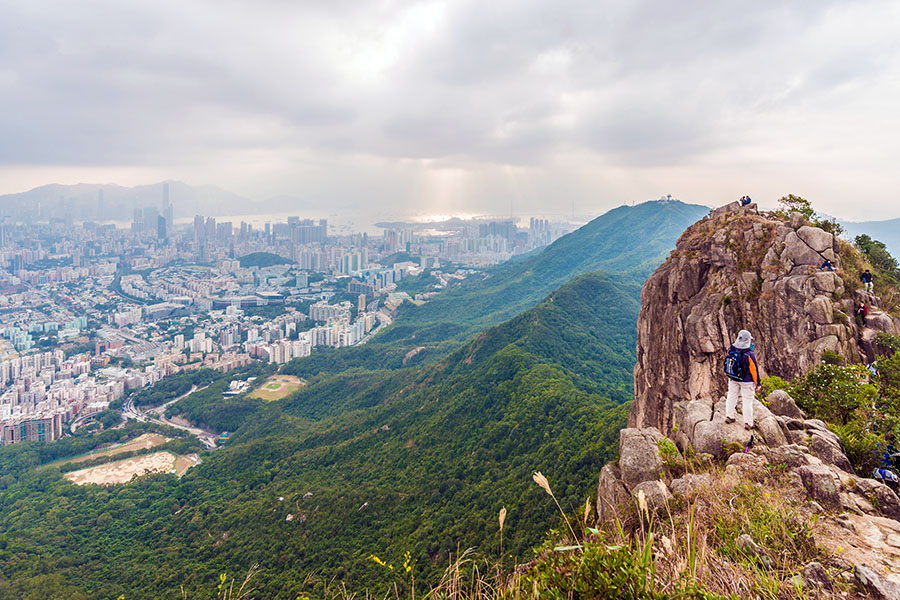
point(168, 212)
point(150, 215)
point(199, 228)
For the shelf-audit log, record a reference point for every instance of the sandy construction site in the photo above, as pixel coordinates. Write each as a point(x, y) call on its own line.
point(122, 471)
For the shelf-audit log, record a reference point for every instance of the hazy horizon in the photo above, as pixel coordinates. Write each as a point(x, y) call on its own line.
point(446, 108)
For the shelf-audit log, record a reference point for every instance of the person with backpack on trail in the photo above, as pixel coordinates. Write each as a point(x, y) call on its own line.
point(866, 278)
point(743, 378)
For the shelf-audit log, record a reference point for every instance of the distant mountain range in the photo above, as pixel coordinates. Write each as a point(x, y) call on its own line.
point(83, 201)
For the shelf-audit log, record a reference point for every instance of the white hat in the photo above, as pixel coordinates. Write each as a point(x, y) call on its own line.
point(743, 340)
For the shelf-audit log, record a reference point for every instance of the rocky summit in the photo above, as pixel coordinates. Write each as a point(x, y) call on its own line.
point(740, 268)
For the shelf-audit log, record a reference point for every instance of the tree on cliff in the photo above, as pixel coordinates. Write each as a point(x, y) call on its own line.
point(877, 253)
point(792, 203)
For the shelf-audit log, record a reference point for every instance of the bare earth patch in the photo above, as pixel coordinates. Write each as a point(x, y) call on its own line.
point(277, 387)
point(122, 471)
point(142, 442)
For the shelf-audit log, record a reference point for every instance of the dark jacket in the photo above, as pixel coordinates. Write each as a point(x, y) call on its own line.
point(866, 277)
point(751, 367)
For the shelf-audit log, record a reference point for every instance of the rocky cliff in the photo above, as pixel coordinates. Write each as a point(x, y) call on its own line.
point(739, 268)
point(735, 269)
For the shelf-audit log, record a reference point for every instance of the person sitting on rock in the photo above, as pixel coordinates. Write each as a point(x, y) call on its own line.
point(827, 265)
point(743, 378)
point(745, 200)
point(867, 278)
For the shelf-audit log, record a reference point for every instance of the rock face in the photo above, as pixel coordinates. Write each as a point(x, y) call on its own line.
point(740, 269)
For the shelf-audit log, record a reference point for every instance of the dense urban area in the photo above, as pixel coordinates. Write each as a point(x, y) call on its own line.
point(92, 312)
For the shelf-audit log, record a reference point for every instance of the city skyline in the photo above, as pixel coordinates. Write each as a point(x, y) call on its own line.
point(447, 108)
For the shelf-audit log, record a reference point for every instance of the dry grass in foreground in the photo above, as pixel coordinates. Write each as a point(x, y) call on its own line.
point(689, 549)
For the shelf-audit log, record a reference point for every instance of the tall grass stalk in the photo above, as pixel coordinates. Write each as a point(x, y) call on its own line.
point(545, 485)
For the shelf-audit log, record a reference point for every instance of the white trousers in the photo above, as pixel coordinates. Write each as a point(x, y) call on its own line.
point(870, 287)
point(746, 391)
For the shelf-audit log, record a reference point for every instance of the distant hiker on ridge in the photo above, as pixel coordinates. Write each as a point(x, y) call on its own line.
point(743, 378)
point(866, 278)
point(745, 200)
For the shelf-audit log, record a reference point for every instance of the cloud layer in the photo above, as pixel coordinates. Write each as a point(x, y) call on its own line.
point(459, 106)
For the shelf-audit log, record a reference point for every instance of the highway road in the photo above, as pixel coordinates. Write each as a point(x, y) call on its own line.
point(156, 415)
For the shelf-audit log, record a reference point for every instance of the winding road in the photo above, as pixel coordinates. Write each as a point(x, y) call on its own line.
point(156, 415)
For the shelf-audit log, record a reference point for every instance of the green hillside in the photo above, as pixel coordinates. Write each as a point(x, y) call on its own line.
point(628, 239)
point(263, 259)
point(417, 459)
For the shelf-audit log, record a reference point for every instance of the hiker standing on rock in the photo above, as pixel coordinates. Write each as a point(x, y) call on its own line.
point(743, 378)
point(866, 278)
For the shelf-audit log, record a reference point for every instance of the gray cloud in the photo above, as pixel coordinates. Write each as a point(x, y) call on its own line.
point(281, 97)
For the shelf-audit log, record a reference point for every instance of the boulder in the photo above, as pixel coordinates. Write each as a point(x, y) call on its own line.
point(880, 321)
point(874, 584)
point(820, 310)
point(797, 252)
point(822, 485)
point(689, 483)
point(731, 207)
point(789, 455)
point(781, 404)
point(827, 447)
point(655, 493)
point(639, 459)
point(797, 220)
point(881, 495)
point(745, 466)
point(817, 239)
point(826, 282)
point(770, 430)
point(611, 493)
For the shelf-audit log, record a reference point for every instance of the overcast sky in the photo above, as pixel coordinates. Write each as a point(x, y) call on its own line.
point(459, 107)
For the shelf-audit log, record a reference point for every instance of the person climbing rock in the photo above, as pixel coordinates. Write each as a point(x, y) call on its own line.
point(867, 278)
point(743, 378)
point(862, 311)
point(827, 265)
